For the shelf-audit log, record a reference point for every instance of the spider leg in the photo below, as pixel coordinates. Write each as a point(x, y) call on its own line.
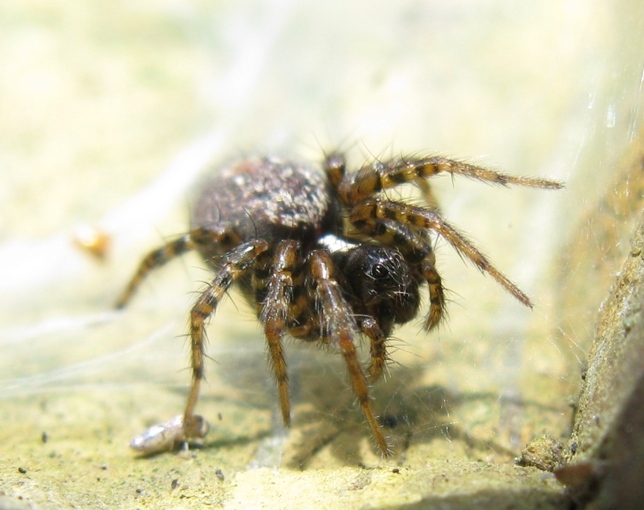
point(365, 216)
point(378, 348)
point(278, 290)
point(371, 179)
point(234, 264)
point(428, 194)
point(372, 323)
point(338, 327)
point(335, 167)
point(164, 254)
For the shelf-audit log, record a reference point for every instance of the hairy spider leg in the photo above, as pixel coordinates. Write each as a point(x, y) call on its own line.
point(338, 327)
point(233, 265)
point(279, 292)
point(368, 210)
point(153, 260)
point(427, 193)
point(335, 167)
point(379, 176)
point(160, 256)
point(378, 355)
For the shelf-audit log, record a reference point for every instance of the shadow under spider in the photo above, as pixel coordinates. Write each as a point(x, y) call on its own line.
point(326, 416)
point(411, 415)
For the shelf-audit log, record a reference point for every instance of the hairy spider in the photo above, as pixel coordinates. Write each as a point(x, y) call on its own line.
point(267, 225)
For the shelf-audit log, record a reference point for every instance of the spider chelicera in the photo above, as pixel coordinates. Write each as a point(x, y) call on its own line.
point(265, 224)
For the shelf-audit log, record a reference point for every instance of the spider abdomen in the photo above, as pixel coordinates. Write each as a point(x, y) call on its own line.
point(267, 198)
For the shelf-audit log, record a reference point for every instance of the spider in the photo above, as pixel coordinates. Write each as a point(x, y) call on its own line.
point(268, 226)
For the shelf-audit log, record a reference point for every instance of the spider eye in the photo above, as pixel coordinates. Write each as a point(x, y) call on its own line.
point(379, 271)
point(385, 267)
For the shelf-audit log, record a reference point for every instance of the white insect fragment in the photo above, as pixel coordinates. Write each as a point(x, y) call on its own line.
point(166, 436)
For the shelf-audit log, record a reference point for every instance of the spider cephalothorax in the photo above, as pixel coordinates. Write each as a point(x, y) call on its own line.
point(265, 224)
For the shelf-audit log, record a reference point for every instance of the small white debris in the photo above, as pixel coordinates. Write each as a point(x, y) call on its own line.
point(166, 436)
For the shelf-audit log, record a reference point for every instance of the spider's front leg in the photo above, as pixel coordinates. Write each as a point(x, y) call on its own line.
point(338, 327)
point(279, 292)
point(382, 175)
point(378, 218)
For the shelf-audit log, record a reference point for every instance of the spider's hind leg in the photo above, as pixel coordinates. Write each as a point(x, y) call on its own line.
point(154, 259)
point(160, 256)
point(233, 265)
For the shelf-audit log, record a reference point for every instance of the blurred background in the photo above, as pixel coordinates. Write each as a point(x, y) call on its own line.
point(109, 114)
